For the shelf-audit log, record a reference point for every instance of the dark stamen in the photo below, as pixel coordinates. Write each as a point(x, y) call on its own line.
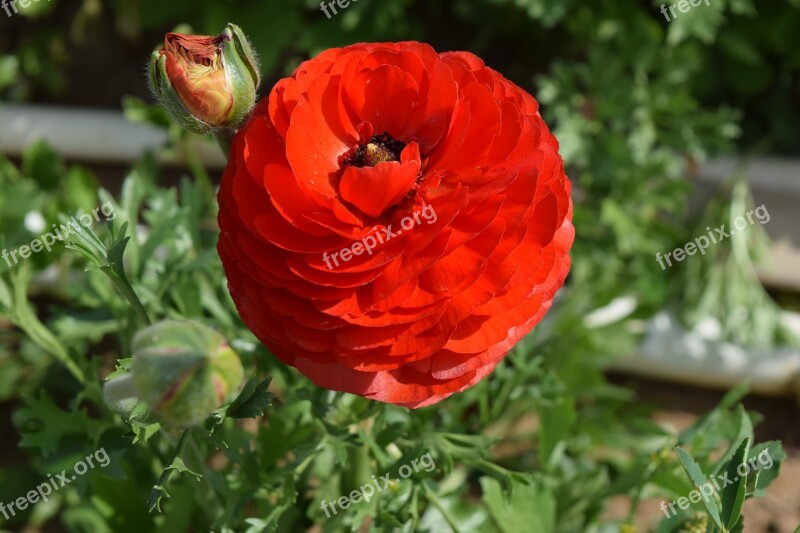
point(379, 149)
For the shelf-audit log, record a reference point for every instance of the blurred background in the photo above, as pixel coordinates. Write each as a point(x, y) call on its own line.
point(668, 129)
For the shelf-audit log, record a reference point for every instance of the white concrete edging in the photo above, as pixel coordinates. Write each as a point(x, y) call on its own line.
point(698, 357)
point(90, 135)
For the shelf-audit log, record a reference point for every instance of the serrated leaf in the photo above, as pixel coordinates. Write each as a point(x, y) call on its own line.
point(773, 450)
point(252, 401)
point(179, 466)
point(24, 316)
point(733, 495)
point(123, 367)
point(143, 432)
point(156, 495)
point(529, 508)
point(699, 479)
point(744, 431)
point(43, 424)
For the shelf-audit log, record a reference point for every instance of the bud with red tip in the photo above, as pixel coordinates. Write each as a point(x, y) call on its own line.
point(206, 83)
point(182, 370)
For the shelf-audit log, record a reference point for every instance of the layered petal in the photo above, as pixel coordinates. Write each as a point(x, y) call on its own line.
point(394, 220)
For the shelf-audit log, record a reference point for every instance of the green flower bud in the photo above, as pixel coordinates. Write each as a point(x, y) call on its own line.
point(182, 370)
point(206, 82)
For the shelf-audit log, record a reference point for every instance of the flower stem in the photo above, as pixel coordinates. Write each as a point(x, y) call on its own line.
point(434, 499)
point(224, 137)
point(213, 502)
point(155, 495)
point(359, 471)
point(123, 285)
point(24, 316)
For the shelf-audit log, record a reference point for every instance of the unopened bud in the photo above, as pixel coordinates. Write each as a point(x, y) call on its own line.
point(206, 82)
point(182, 370)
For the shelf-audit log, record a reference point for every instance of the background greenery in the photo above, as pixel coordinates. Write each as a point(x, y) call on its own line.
point(546, 442)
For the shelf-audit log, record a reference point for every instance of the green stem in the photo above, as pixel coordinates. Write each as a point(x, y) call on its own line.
point(224, 137)
point(24, 317)
point(483, 403)
point(359, 471)
point(211, 493)
point(637, 495)
point(434, 499)
point(199, 171)
point(124, 287)
point(159, 486)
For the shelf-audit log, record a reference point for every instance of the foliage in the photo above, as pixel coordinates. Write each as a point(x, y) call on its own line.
point(544, 429)
point(542, 444)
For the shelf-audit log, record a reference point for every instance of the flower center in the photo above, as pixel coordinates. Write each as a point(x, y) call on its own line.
point(379, 173)
point(379, 149)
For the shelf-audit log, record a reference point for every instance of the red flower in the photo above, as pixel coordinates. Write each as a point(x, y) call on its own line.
point(394, 220)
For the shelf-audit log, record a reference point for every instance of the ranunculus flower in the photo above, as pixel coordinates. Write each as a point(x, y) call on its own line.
point(206, 82)
point(447, 167)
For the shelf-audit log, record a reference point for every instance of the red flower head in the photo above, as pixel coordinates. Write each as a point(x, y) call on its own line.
point(394, 220)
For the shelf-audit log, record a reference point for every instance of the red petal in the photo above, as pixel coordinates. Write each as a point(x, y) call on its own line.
point(374, 189)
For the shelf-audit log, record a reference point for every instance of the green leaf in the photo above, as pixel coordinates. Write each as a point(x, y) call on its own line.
point(144, 432)
point(744, 431)
point(156, 495)
point(137, 110)
point(42, 164)
point(531, 507)
point(773, 455)
point(733, 495)
point(24, 316)
point(557, 418)
point(43, 424)
point(699, 479)
point(252, 401)
point(179, 466)
point(9, 70)
point(35, 9)
point(79, 188)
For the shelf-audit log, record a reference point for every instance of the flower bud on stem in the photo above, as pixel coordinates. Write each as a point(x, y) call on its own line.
point(182, 370)
point(207, 84)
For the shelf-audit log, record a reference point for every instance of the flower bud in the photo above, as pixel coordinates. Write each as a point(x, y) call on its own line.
point(182, 370)
point(206, 82)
